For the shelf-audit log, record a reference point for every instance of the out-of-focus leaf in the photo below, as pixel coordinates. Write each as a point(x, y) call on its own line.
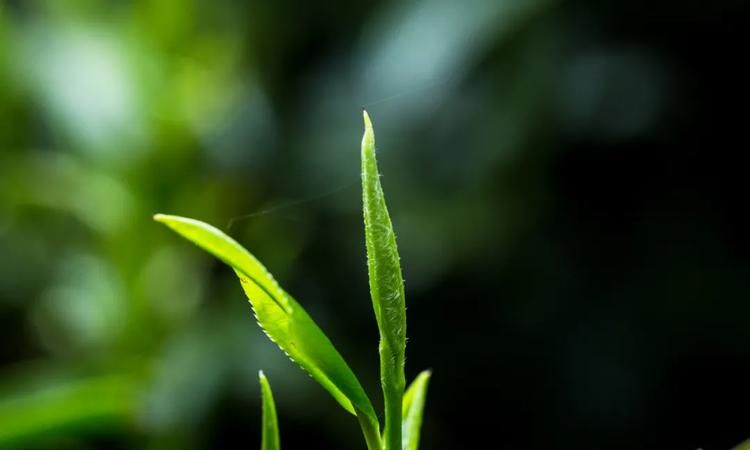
point(67, 404)
point(270, 436)
point(284, 321)
point(386, 288)
point(745, 445)
point(414, 400)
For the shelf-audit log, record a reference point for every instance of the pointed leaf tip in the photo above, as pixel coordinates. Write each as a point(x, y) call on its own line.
point(270, 429)
point(414, 401)
point(368, 139)
point(368, 122)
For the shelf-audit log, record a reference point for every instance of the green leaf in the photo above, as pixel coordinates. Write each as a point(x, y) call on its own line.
point(62, 406)
point(284, 321)
point(386, 288)
point(270, 436)
point(414, 400)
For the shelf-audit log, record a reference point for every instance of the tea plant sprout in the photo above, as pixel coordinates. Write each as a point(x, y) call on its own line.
point(287, 324)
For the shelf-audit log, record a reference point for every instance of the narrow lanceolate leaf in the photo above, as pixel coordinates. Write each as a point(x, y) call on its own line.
point(284, 321)
point(386, 289)
point(270, 431)
point(414, 400)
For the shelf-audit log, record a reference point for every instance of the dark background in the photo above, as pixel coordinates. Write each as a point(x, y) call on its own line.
point(566, 179)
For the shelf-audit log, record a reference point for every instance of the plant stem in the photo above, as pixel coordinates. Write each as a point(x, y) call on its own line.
point(371, 431)
point(392, 378)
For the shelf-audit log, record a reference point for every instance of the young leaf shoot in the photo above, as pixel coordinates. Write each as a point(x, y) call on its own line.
point(287, 324)
point(284, 321)
point(414, 401)
point(270, 429)
point(386, 289)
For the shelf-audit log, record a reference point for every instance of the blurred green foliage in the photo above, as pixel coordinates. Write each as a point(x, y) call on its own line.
point(558, 168)
point(112, 111)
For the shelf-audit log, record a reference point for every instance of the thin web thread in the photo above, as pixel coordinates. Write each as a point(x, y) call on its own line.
point(289, 204)
point(408, 91)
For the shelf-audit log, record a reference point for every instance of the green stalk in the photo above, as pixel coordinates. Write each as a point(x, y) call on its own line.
point(386, 289)
point(371, 431)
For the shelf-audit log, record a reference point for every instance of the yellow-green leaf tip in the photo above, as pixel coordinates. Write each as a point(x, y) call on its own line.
point(368, 122)
point(368, 140)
